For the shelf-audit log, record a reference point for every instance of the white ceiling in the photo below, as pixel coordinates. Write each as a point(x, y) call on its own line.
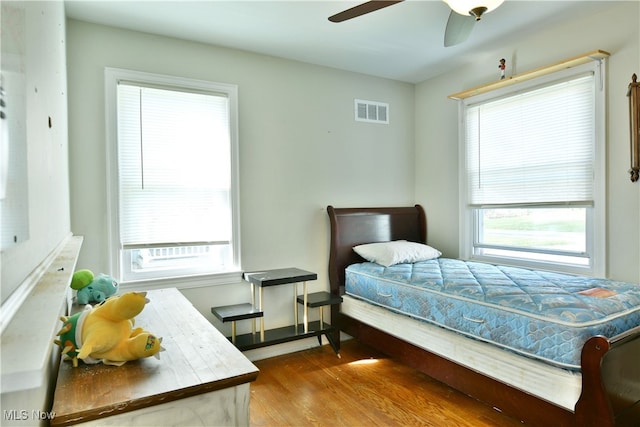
point(402, 42)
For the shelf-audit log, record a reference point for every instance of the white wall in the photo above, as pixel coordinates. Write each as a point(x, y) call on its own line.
point(300, 150)
point(40, 27)
point(614, 28)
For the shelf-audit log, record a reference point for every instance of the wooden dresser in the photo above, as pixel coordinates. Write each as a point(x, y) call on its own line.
point(200, 379)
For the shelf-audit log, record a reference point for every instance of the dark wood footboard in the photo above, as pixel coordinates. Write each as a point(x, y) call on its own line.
point(610, 381)
point(610, 367)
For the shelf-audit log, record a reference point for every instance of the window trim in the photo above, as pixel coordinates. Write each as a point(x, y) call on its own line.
point(112, 77)
point(596, 234)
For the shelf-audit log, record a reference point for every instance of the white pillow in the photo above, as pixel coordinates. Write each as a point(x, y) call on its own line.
point(396, 252)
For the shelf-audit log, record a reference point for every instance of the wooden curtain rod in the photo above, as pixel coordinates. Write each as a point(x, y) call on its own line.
point(541, 71)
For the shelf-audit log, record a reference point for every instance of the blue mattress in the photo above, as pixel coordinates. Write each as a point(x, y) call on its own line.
point(543, 315)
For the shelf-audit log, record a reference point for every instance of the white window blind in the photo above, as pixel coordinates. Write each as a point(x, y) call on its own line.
point(174, 167)
point(535, 147)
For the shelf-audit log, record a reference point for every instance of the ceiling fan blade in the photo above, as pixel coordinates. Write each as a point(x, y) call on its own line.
point(362, 9)
point(458, 28)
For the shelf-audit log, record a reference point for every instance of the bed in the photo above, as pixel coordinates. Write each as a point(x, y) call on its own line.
point(599, 385)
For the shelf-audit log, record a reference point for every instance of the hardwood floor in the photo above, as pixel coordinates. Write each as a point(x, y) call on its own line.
point(363, 388)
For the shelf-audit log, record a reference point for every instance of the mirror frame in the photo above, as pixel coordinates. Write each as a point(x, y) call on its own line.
point(633, 94)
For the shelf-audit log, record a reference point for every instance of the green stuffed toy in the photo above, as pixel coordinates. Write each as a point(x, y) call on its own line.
point(105, 333)
point(93, 288)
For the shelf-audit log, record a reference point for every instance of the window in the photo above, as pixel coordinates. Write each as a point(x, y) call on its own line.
point(173, 176)
point(533, 175)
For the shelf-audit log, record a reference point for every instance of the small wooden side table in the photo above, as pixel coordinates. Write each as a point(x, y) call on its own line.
point(265, 279)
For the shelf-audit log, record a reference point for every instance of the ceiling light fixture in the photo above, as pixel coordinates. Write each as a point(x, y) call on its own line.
point(473, 7)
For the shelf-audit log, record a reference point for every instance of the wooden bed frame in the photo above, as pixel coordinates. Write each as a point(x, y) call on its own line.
point(610, 366)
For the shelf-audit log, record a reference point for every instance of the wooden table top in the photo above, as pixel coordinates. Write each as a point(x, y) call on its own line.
point(197, 359)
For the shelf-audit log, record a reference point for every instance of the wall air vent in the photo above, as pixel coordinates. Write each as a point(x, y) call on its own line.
point(371, 111)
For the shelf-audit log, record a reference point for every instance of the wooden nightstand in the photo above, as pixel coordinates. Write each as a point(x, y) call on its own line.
point(267, 278)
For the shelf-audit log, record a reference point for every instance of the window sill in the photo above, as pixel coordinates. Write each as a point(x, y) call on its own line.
point(184, 282)
point(536, 265)
point(28, 352)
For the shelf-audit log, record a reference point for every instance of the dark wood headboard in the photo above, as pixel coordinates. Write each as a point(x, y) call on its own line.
point(355, 226)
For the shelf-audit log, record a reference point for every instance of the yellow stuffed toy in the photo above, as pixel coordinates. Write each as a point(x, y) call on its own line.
point(105, 332)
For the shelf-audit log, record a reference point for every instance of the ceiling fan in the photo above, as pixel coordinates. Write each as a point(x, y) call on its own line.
point(464, 14)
